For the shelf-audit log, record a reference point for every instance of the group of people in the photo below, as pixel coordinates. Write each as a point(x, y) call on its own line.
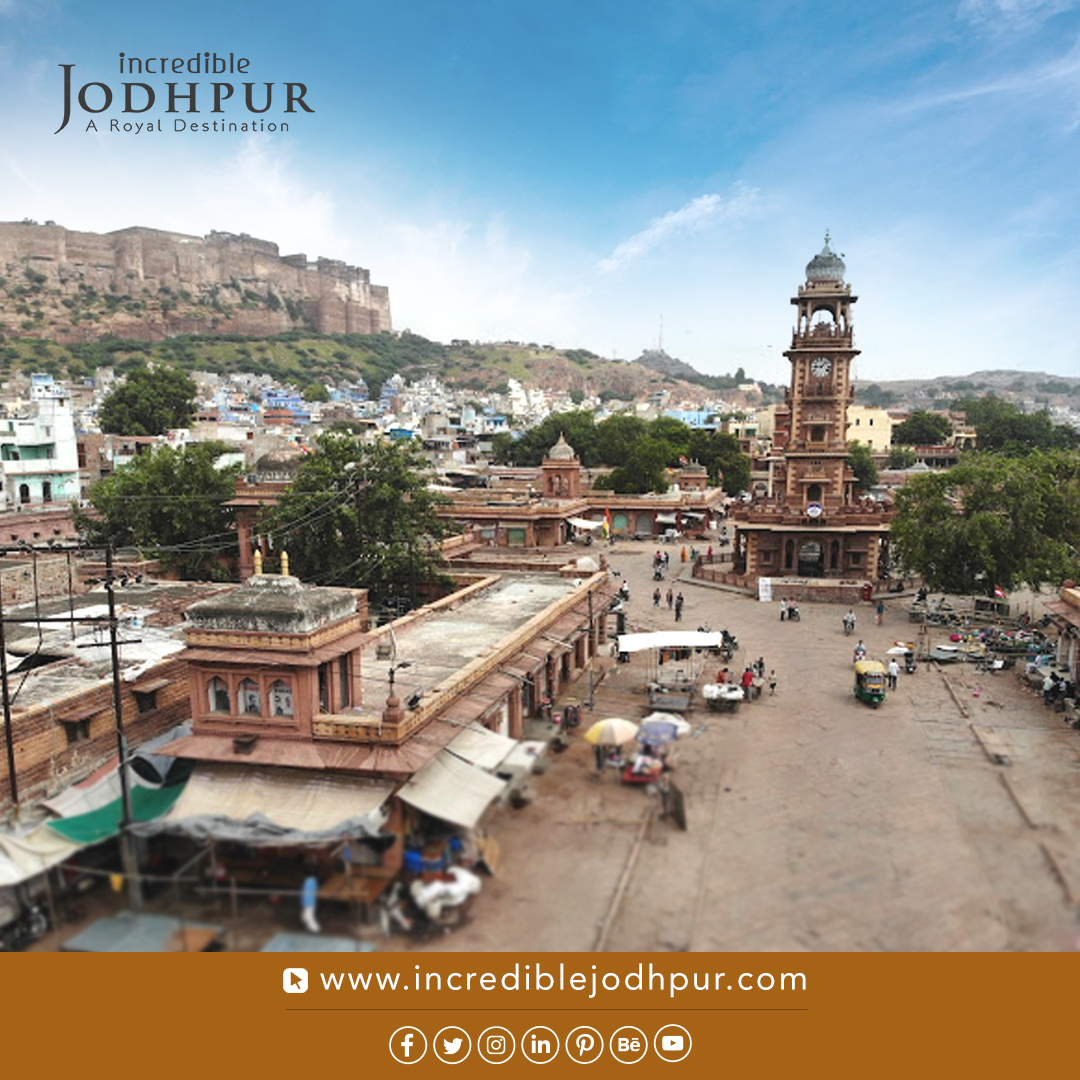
point(789, 609)
point(754, 671)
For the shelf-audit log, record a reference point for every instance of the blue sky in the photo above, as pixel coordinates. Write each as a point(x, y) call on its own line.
point(584, 173)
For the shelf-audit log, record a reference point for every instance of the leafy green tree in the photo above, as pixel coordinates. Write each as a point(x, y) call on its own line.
point(577, 396)
point(361, 515)
point(992, 520)
point(170, 503)
point(151, 401)
point(616, 436)
point(316, 391)
point(862, 463)
point(644, 470)
point(901, 457)
point(922, 428)
point(1004, 428)
point(578, 427)
point(719, 452)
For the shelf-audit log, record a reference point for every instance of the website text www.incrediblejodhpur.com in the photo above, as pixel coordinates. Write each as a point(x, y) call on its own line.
point(590, 981)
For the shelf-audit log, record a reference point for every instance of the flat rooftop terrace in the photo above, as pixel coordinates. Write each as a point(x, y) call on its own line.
point(441, 644)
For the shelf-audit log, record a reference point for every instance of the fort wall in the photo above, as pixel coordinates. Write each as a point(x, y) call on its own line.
point(149, 284)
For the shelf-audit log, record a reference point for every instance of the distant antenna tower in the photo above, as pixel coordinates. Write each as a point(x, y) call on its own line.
point(660, 344)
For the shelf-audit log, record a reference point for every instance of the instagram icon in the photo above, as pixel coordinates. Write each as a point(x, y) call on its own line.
point(496, 1045)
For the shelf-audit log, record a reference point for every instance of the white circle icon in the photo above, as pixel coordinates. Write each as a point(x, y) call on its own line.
point(408, 1045)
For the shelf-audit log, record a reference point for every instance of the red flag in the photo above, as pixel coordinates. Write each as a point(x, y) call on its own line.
point(999, 592)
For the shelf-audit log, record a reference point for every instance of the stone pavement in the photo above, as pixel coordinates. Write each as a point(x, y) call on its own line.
point(815, 822)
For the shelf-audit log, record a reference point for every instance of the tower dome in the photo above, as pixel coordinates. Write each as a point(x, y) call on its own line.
point(562, 451)
point(826, 266)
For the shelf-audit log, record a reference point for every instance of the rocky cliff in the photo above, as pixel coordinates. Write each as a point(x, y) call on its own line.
point(148, 285)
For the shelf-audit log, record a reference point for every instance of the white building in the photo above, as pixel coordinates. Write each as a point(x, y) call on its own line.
point(38, 456)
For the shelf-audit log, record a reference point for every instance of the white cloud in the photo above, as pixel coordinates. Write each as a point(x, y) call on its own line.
point(1012, 15)
point(694, 216)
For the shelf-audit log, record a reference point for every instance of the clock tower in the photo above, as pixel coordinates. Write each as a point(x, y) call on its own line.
point(821, 353)
point(811, 523)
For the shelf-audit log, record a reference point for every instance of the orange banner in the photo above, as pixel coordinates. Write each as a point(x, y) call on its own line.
point(761, 1014)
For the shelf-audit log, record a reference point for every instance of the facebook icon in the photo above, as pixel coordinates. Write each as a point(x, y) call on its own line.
point(408, 1045)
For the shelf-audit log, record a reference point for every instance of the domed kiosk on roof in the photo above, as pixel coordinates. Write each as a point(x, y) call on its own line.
point(825, 267)
point(561, 471)
point(562, 451)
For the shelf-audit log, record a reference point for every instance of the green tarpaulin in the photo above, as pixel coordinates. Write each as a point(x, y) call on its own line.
point(98, 825)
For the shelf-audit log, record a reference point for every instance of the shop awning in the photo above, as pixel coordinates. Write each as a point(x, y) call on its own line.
point(452, 789)
point(259, 805)
point(670, 639)
point(100, 824)
point(584, 523)
point(666, 519)
point(1063, 610)
point(23, 857)
point(481, 747)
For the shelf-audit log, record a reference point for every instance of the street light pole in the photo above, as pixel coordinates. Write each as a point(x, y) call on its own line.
point(127, 841)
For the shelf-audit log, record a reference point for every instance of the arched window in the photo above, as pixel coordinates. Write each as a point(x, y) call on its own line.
point(813, 493)
point(250, 698)
point(281, 703)
point(217, 692)
point(46, 491)
point(24, 493)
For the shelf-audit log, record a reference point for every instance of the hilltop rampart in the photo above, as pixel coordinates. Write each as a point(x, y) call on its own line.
point(148, 284)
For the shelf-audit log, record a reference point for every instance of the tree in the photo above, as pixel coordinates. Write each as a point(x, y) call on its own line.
point(922, 428)
point(616, 436)
point(992, 520)
point(861, 461)
point(644, 470)
point(719, 452)
point(316, 391)
point(1003, 428)
point(170, 503)
point(361, 515)
point(151, 401)
point(577, 427)
point(901, 457)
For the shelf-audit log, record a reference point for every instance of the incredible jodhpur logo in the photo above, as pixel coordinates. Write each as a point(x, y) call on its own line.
point(232, 105)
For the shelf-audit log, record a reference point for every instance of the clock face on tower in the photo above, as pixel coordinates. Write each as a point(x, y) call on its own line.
point(821, 366)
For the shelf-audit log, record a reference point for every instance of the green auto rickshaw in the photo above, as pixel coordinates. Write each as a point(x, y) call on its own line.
point(870, 681)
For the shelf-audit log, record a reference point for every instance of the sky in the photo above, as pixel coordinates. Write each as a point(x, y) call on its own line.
point(603, 174)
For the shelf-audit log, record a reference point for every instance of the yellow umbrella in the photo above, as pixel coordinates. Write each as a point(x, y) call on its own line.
point(611, 732)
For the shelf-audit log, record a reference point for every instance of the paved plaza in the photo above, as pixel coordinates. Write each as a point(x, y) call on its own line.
point(815, 822)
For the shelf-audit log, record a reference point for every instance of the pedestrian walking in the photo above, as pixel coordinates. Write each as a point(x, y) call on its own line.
point(708, 554)
point(678, 607)
point(759, 667)
point(670, 599)
point(880, 611)
point(772, 682)
point(893, 672)
point(783, 608)
point(667, 559)
point(682, 555)
point(656, 598)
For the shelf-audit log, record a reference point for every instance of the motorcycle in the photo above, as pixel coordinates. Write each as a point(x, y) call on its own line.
point(31, 924)
point(849, 625)
point(793, 613)
point(910, 666)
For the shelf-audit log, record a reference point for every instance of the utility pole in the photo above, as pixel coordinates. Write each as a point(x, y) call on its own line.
point(127, 841)
point(9, 737)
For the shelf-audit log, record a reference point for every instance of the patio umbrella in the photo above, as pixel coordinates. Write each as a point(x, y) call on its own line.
point(898, 650)
point(657, 733)
point(682, 727)
point(611, 732)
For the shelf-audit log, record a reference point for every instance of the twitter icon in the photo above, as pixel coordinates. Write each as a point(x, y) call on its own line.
point(452, 1045)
